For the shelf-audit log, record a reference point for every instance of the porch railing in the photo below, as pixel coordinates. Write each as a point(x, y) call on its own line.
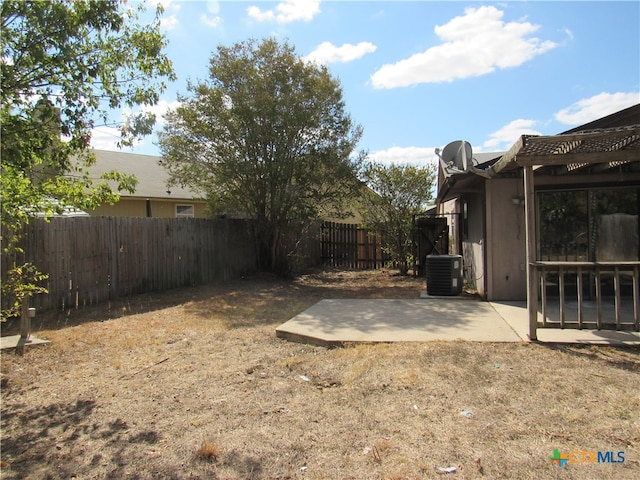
point(604, 317)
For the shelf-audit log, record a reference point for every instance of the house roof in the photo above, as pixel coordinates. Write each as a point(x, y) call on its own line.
point(612, 146)
point(611, 143)
point(152, 177)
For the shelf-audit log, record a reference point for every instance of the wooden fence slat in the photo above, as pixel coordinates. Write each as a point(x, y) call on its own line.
point(95, 259)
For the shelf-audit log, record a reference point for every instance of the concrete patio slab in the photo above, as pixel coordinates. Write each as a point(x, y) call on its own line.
point(516, 315)
point(335, 322)
point(13, 341)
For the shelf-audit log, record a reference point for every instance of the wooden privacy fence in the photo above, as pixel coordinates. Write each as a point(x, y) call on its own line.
point(346, 245)
point(93, 259)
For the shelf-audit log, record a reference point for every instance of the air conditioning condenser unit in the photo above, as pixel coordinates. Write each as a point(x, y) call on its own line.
point(444, 274)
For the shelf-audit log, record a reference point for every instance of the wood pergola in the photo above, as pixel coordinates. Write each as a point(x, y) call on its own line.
point(590, 151)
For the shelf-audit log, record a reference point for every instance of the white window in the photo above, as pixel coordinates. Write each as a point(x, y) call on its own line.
point(184, 211)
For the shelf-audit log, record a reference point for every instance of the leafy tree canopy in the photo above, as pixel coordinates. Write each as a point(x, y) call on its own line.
point(266, 136)
point(65, 66)
point(399, 193)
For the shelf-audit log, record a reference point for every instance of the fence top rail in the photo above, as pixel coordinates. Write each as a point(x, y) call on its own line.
point(569, 265)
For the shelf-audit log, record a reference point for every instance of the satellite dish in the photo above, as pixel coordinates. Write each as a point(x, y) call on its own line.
point(458, 155)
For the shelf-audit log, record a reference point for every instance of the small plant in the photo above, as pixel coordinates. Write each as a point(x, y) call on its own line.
point(22, 283)
point(209, 451)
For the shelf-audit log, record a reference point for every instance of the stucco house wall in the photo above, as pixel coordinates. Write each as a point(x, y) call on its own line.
point(505, 240)
point(473, 239)
point(450, 210)
point(137, 207)
point(466, 237)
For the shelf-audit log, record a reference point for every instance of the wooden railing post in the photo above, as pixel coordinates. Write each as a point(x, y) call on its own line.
point(543, 291)
point(636, 300)
point(598, 299)
point(579, 287)
point(25, 320)
point(561, 294)
point(616, 295)
point(532, 271)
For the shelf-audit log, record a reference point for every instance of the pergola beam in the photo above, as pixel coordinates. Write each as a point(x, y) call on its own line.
point(591, 147)
point(589, 158)
point(532, 274)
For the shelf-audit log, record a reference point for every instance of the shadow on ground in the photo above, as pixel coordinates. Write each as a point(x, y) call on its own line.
point(262, 299)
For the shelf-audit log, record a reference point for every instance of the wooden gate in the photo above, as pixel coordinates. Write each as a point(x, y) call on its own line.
point(431, 237)
point(346, 245)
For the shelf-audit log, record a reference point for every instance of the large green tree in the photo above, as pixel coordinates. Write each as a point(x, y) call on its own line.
point(266, 136)
point(65, 66)
point(399, 192)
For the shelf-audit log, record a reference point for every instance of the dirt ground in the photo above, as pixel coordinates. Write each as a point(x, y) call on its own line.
point(194, 384)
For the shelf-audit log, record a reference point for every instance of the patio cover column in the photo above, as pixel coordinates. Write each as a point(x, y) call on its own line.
point(530, 230)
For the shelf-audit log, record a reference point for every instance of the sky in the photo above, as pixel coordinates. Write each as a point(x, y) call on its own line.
point(417, 75)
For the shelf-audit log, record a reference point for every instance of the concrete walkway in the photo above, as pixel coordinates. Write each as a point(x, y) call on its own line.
point(334, 322)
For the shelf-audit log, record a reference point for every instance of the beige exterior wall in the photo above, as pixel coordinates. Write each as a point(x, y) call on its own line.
point(505, 240)
point(473, 242)
point(466, 238)
point(494, 233)
point(137, 207)
point(450, 210)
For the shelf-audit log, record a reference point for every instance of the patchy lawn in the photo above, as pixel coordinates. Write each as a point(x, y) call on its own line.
point(194, 384)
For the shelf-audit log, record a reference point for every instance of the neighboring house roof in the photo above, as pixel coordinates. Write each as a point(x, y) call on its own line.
point(152, 177)
point(67, 211)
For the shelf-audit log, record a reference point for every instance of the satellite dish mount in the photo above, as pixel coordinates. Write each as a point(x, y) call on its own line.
point(457, 156)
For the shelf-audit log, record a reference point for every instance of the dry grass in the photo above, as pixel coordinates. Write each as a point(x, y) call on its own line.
point(209, 451)
point(131, 390)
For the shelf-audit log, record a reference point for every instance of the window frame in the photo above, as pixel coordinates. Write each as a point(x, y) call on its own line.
point(190, 206)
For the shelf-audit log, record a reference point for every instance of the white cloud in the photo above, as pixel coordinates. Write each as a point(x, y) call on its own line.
point(504, 138)
point(601, 105)
point(473, 44)
point(569, 34)
point(164, 3)
point(418, 156)
point(160, 109)
point(287, 11)
point(105, 138)
point(212, 21)
point(169, 23)
point(327, 52)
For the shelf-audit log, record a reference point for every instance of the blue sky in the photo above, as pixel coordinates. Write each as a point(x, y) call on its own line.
point(419, 74)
